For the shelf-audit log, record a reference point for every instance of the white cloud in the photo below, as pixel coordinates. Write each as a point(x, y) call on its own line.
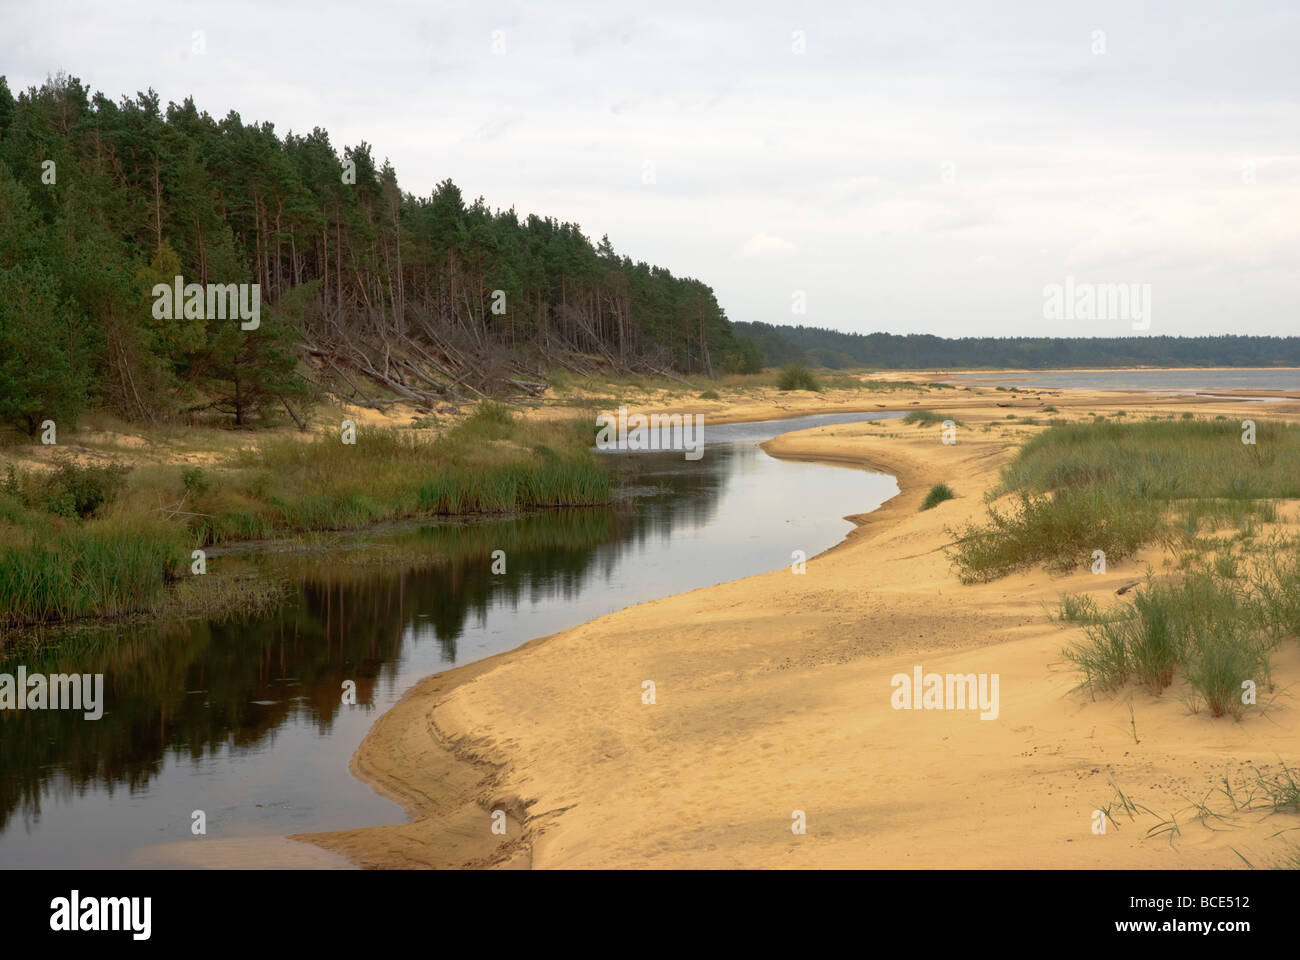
point(1127, 165)
point(761, 246)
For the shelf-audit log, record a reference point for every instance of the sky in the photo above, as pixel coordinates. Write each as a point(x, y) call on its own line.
point(915, 167)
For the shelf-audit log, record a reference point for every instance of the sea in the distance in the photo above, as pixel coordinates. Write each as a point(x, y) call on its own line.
point(1173, 381)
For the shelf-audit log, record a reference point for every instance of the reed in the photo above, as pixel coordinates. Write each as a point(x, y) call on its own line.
point(103, 569)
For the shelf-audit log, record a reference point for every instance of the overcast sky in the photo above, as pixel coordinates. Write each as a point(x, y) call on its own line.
point(919, 167)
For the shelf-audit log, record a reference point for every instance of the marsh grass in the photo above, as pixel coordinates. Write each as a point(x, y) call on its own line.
point(488, 463)
point(83, 550)
point(1164, 460)
point(222, 598)
point(103, 569)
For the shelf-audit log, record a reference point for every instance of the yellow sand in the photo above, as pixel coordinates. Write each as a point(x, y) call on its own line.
point(773, 696)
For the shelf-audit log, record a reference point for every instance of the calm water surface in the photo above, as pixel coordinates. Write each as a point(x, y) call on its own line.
point(1176, 381)
point(244, 721)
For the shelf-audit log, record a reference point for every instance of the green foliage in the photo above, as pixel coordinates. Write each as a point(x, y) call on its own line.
point(489, 421)
point(71, 490)
point(925, 418)
point(746, 357)
point(99, 569)
point(1212, 631)
point(1105, 485)
point(195, 481)
point(80, 491)
point(937, 495)
point(796, 376)
point(790, 344)
point(147, 192)
point(251, 371)
point(775, 347)
point(43, 368)
point(831, 359)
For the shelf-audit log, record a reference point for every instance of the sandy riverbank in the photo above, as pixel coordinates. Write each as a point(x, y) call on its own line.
point(773, 696)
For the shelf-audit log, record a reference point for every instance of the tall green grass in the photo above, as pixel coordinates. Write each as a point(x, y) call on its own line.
point(1215, 631)
point(62, 556)
point(1163, 460)
point(557, 483)
point(103, 569)
point(488, 463)
point(1113, 487)
point(1060, 531)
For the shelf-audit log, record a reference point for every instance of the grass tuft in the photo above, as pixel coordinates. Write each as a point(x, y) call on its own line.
point(937, 495)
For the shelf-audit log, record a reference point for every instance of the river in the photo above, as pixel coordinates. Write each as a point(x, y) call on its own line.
point(244, 719)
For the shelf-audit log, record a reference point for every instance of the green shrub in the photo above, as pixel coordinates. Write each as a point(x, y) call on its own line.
point(489, 421)
point(1220, 661)
point(796, 376)
point(79, 491)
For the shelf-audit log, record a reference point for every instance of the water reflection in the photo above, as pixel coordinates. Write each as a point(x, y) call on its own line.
point(245, 718)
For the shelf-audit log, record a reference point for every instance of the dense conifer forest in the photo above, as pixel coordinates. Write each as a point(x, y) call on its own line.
point(365, 289)
point(831, 348)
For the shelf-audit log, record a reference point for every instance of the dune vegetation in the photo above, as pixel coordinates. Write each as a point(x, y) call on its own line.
point(1118, 487)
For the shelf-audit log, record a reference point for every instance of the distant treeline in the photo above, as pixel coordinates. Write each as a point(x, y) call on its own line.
point(362, 285)
point(830, 348)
